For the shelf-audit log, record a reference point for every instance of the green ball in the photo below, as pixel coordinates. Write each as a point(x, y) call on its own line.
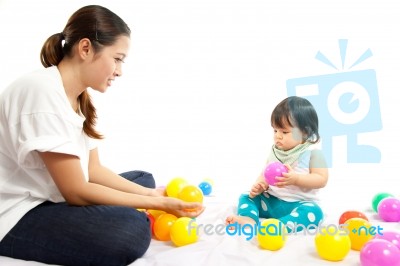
point(377, 198)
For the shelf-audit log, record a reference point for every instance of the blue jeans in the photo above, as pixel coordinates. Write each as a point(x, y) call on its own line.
point(57, 233)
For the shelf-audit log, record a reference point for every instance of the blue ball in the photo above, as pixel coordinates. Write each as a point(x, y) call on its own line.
point(206, 188)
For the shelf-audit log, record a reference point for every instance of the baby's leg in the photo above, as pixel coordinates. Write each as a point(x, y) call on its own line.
point(306, 215)
point(247, 211)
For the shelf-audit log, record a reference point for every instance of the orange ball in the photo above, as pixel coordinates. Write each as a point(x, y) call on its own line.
point(360, 232)
point(191, 193)
point(351, 214)
point(162, 226)
point(155, 213)
point(152, 220)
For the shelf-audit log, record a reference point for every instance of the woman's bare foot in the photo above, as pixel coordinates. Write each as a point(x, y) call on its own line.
point(232, 219)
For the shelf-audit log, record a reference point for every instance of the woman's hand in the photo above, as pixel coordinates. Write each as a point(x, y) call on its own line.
point(181, 208)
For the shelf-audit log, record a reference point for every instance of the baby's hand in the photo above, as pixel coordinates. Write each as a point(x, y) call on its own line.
point(258, 188)
point(287, 179)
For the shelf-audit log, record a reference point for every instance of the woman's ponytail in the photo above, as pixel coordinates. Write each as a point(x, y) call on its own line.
point(52, 50)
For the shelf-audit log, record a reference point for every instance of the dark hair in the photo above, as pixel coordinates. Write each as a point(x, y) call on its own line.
point(102, 27)
point(297, 112)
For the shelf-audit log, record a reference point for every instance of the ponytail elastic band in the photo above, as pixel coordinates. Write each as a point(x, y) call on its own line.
point(62, 39)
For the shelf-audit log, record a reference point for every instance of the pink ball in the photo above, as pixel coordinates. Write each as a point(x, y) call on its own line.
point(390, 236)
point(273, 170)
point(379, 252)
point(389, 209)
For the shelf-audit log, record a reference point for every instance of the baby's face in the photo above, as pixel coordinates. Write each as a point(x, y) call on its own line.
point(287, 138)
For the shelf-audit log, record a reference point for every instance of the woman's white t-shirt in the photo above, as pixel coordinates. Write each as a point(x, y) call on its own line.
point(35, 115)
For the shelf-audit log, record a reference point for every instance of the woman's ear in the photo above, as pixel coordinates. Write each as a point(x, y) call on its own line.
point(85, 48)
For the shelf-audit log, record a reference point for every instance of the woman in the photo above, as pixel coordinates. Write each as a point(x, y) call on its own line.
point(58, 203)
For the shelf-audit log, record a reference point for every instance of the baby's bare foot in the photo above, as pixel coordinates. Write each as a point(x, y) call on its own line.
point(232, 219)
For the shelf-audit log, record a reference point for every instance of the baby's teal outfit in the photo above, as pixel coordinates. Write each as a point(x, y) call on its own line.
point(293, 206)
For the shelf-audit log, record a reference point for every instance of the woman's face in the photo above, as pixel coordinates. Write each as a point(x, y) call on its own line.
point(107, 65)
point(287, 138)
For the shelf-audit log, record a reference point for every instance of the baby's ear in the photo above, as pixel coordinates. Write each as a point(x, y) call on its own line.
point(307, 132)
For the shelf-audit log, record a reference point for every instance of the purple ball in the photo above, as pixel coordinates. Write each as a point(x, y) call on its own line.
point(390, 236)
point(273, 170)
point(389, 209)
point(379, 252)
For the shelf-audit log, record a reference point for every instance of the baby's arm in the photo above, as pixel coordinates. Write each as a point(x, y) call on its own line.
point(317, 178)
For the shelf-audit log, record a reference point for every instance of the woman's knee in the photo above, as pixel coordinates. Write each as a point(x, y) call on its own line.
point(140, 177)
point(131, 238)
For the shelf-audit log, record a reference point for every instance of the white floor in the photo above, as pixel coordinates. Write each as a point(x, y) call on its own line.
point(227, 250)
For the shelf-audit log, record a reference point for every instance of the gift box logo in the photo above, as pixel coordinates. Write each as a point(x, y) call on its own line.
point(347, 104)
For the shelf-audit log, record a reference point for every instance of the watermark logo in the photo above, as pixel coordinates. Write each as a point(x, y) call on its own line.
point(280, 229)
point(347, 104)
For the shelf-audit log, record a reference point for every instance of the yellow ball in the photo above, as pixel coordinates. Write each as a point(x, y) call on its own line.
point(191, 193)
point(175, 186)
point(332, 245)
point(272, 234)
point(184, 232)
point(359, 232)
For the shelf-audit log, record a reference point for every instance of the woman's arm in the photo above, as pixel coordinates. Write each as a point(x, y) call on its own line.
point(69, 178)
point(103, 176)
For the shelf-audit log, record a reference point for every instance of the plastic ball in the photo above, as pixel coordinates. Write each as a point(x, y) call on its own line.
point(389, 210)
point(175, 185)
point(155, 213)
point(273, 170)
point(184, 232)
point(162, 226)
point(379, 252)
point(351, 214)
point(191, 193)
point(359, 232)
point(390, 236)
point(377, 199)
point(272, 234)
point(332, 245)
point(152, 220)
point(206, 188)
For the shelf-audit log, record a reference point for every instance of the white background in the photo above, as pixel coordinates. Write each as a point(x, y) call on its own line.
point(203, 76)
